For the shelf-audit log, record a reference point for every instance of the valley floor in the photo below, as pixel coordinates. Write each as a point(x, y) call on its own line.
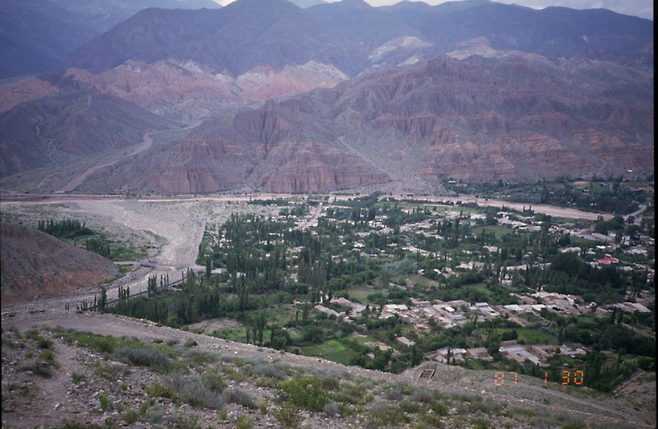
point(173, 228)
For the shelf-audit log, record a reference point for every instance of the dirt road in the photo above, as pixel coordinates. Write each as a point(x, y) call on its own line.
point(554, 211)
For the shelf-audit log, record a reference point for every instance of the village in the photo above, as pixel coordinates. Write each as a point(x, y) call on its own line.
point(423, 314)
point(459, 282)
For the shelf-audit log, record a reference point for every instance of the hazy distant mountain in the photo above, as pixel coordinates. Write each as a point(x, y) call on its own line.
point(306, 3)
point(236, 38)
point(37, 35)
point(275, 33)
point(105, 14)
point(554, 32)
point(361, 23)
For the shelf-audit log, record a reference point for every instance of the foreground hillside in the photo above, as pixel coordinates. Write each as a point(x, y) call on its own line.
point(166, 378)
point(35, 264)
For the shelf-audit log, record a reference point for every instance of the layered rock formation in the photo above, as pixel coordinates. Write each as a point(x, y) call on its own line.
point(74, 121)
point(516, 117)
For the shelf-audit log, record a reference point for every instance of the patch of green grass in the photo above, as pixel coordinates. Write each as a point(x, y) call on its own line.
point(500, 231)
point(361, 293)
point(277, 315)
point(78, 377)
point(383, 415)
point(288, 415)
point(188, 422)
point(144, 356)
point(475, 364)
point(578, 241)
point(237, 334)
point(91, 341)
point(123, 253)
point(332, 350)
point(124, 270)
point(12, 344)
point(531, 336)
point(130, 416)
point(305, 392)
point(104, 402)
point(244, 422)
point(42, 343)
point(157, 390)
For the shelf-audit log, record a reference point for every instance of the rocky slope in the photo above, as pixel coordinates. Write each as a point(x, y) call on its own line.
point(203, 164)
point(479, 114)
point(515, 117)
point(181, 90)
point(73, 122)
point(140, 375)
point(35, 264)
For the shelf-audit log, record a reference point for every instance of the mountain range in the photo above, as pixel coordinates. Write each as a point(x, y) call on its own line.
point(516, 117)
point(339, 95)
point(248, 33)
point(38, 35)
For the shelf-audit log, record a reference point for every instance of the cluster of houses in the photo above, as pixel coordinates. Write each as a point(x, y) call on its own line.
point(458, 312)
point(537, 354)
point(424, 314)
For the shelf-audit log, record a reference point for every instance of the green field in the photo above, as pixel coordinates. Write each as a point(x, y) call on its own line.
point(500, 231)
point(479, 289)
point(119, 253)
point(364, 339)
point(578, 241)
point(531, 336)
point(332, 350)
point(360, 293)
point(238, 334)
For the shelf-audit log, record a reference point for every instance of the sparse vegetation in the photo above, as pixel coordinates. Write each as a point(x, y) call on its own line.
point(78, 377)
point(244, 422)
point(239, 396)
point(288, 415)
point(195, 391)
point(144, 356)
